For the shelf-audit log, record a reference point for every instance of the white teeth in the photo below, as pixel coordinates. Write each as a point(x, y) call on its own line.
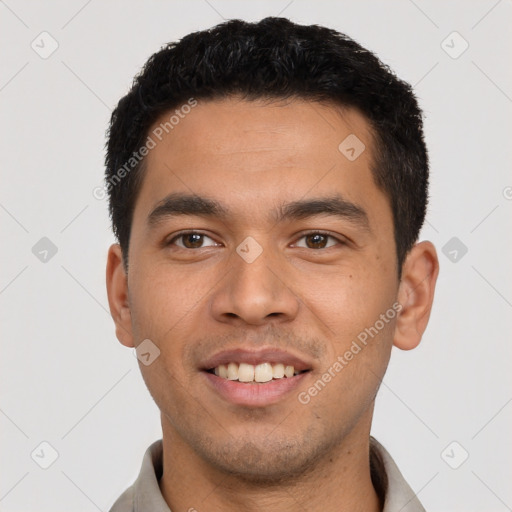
point(263, 372)
point(223, 371)
point(278, 371)
point(245, 372)
point(232, 371)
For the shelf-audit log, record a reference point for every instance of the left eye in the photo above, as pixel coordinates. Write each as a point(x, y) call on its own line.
point(317, 241)
point(192, 241)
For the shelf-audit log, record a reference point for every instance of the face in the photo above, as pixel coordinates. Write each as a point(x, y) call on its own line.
point(257, 245)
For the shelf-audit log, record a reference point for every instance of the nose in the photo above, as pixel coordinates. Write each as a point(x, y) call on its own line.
point(254, 293)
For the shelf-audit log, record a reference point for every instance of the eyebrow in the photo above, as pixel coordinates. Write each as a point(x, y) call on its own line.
point(183, 204)
point(335, 206)
point(194, 205)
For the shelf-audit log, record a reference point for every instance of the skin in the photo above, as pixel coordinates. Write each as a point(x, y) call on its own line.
point(253, 157)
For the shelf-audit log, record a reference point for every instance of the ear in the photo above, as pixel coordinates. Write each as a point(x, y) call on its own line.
point(416, 294)
point(117, 291)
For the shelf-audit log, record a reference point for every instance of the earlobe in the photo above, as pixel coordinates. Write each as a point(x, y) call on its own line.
point(117, 291)
point(416, 294)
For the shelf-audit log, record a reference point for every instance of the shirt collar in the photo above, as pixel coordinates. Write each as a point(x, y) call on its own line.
point(145, 493)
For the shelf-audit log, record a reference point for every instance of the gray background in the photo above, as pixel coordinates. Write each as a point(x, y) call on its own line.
point(66, 381)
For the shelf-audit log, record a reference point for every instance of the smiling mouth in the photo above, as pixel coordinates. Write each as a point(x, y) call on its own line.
point(254, 374)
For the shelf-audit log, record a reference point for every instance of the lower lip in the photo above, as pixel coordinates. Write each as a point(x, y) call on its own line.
point(257, 394)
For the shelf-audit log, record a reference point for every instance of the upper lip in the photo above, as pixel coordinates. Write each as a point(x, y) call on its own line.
point(255, 357)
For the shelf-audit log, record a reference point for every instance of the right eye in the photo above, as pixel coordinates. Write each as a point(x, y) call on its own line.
point(192, 240)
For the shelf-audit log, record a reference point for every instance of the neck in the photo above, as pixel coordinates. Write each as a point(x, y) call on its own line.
point(340, 482)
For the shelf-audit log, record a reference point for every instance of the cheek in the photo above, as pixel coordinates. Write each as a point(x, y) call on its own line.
point(348, 300)
point(163, 307)
point(164, 298)
point(168, 307)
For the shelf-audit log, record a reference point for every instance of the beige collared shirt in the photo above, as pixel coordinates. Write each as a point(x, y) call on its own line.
point(145, 496)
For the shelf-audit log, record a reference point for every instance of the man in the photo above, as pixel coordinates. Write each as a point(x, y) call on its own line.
point(267, 185)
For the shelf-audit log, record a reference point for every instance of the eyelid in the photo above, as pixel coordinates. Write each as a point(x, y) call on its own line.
point(336, 236)
point(340, 239)
point(175, 236)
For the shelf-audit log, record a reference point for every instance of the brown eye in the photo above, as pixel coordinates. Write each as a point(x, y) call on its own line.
point(317, 241)
point(192, 240)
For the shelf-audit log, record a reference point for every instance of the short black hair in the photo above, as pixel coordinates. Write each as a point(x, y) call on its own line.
point(274, 59)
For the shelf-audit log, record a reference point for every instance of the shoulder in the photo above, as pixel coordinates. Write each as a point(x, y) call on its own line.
point(125, 502)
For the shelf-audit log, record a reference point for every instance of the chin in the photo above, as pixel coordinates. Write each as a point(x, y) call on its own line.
point(267, 462)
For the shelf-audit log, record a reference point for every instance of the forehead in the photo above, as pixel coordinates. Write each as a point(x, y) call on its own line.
point(231, 126)
point(248, 154)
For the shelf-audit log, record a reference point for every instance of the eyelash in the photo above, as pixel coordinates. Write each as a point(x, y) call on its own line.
point(328, 234)
point(302, 235)
point(183, 234)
